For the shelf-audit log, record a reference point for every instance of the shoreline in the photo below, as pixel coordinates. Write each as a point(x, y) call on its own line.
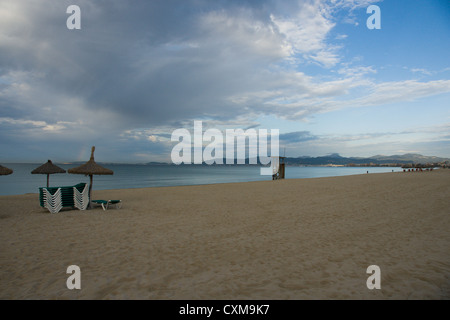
point(310, 238)
point(207, 184)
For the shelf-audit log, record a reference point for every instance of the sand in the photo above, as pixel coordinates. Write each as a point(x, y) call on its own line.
point(279, 240)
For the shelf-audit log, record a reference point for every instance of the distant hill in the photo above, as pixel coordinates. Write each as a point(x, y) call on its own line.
point(336, 159)
point(414, 157)
point(153, 163)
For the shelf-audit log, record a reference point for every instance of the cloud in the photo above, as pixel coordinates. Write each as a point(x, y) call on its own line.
point(356, 71)
point(161, 63)
point(421, 70)
point(341, 37)
point(354, 4)
point(134, 73)
point(306, 33)
point(299, 136)
point(409, 90)
point(426, 140)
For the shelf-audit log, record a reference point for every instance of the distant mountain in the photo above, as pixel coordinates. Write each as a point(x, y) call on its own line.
point(153, 163)
point(336, 159)
point(331, 159)
point(414, 157)
point(335, 156)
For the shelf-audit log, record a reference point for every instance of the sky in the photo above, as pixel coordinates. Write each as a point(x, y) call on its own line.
point(138, 70)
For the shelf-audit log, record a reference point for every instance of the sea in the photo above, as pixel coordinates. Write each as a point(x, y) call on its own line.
point(128, 176)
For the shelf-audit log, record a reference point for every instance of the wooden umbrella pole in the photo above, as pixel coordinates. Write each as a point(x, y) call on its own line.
point(92, 153)
point(47, 179)
point(90, 191)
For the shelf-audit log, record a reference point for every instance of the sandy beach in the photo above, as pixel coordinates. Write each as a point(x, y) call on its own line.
point(285, 239)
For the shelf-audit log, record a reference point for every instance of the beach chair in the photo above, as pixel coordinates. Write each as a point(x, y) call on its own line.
point(106, 203)
point(81, 199)
point(67, 194)
point(53, 202)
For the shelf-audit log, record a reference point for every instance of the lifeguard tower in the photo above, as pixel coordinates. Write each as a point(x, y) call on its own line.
point(278, 168)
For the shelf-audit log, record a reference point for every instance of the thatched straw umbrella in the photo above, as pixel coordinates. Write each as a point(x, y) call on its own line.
point(5, 171)
point(48, 169)
point(89, 169)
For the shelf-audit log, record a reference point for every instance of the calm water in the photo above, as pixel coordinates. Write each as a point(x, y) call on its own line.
point(140, 176)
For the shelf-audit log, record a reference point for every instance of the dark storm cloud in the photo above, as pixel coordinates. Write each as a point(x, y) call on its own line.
point(152, 63)
point(149, 62)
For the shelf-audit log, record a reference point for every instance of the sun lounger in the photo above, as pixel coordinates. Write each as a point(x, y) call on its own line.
point(106, 203)
point(53, 202)
point(67, 194)
point(81, 199)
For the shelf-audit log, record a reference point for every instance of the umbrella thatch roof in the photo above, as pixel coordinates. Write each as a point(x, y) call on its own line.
point(48, 168)
point(5, 171)
point(91, 167)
